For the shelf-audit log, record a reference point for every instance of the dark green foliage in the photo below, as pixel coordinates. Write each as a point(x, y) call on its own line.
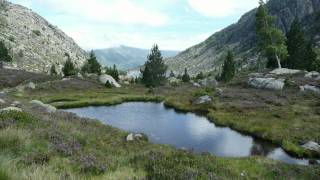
point(53, 71)
point(154, 72)
point(36, 32)
point(69, 68)
point(228, 69)
point(92, 65)
point(312, 63)
point(200, 76)
point(113, 71)
point(4, 54)
point(271, 40)
point(172, 74)
point(108, 85)
point(186, 77)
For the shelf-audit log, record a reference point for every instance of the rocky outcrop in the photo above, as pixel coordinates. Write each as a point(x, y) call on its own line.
point(267, 83)
point(103, 79)
point(48, 108)
point(312, 146)
point(202, 100)
point(135, 137)
point(241, 38)
point(309, 88)
point(34, 43)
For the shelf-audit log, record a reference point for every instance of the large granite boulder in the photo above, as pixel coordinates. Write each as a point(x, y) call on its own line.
point(104, 78)
point(312, 146)
point(48, 108)
point(267, 83)
point(309, 88)
point(313, 75)
point(202, 100)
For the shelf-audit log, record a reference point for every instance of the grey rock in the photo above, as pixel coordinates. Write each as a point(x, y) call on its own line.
point(134, 137)
point(104, 78)
point(2, 101)
point(7, 109)
point(309, 88)
point(34, 43)
point(202, 100)
point(31, 85)
point(284, 71)
point(16, 104)
point(267, 83)
point(48, 108)
point(312, 75)
point(209, 82)
point(312, 146)
point(219, 92)
point(196, 84)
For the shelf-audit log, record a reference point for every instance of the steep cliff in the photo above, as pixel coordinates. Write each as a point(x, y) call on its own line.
point(241, 38)
point(34, 43)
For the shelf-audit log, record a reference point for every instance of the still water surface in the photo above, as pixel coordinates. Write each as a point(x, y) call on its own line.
point(184, 131)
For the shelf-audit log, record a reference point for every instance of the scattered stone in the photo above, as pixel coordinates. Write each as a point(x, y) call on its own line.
point(31, 85)
point(267, 83)
point(196, 84)
point(202, 100)
point(49, 108)
point(104, 78)
point(174, 81)
point(312, 146)
point(282, 71)
point(312, 75)
point(209, 82)
point(8, 109)
point(308, 88)
point(256, 75)
point(2, 101)
point(15, 104)
point(219, 92)
point(135, 136)
point(79, 75)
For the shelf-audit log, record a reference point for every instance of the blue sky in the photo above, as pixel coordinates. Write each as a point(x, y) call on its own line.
point(173, 24)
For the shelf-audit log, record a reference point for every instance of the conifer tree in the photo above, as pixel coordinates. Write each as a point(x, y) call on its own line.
point(228, 69)
point(200, 75)
point(113, 71)
point(69, 68)
point(271, 40)
point(53, 71)
point(186, 77)
point(92, 65)
point(4, 54)
point(311, 61)
point(172, 74)
point(154, 72)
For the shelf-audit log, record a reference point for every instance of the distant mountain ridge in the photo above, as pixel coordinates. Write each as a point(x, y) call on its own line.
point(241, 39)
point(126, 57)
point(33, 42)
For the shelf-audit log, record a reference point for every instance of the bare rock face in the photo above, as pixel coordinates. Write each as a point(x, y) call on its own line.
point(267, 83)
point(34, 43)
point(241, 37)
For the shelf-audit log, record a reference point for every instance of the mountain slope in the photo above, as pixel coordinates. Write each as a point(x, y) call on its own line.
point(241, 39)
point(126, 57)
point(34, 43)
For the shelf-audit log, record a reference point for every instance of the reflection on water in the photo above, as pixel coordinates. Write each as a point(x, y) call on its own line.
point(187, 131)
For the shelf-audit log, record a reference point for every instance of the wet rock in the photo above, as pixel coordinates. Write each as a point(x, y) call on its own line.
point(267, 83)
point(312, 146)
point(283, 71)
point(31, 85)
point(202, 100)
point(104, 78)
point(49, 108)
point(8, 109)
point(309, 88)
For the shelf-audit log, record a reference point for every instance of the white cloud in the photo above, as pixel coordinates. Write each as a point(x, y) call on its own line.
point(221, 8)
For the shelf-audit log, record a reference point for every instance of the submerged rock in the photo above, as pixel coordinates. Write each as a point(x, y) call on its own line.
point(202, 100)
point(49, 108)
point(267, 83)
point(312, 146)
point(104, 78)
point(8, 109)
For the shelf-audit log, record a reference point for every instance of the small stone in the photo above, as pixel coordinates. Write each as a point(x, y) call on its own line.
point(31, 85)
point(130, 137)
point(202, 100)
point(312, 146)
point(2, 101)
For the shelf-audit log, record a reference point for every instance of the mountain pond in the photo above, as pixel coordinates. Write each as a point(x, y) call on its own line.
point(184, 131)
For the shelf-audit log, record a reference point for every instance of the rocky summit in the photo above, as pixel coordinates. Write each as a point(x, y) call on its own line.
point(33, 42)
point(241, 38)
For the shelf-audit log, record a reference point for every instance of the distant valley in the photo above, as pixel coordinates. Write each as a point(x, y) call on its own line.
point(126, 57)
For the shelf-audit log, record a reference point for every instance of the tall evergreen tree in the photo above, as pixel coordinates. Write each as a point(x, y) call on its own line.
point(228, 69)
point(310, 56)
point(186, 77)
point(4, 54)
point(172, 74)
point(154, 72)
point(113, 71)
point(92, 65)
point(69, 68)
point(271, 40)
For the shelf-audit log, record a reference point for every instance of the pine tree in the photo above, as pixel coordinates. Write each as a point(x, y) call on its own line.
point(69, 68)
point(200, 75)
point(154, 72)
point(271, 40)
point(228, 69)
point(113, 71)
point(172, 74)
point(311, 61)
point(53, 71)
point(186, 77)
point(92, 65)
point(4, 54)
